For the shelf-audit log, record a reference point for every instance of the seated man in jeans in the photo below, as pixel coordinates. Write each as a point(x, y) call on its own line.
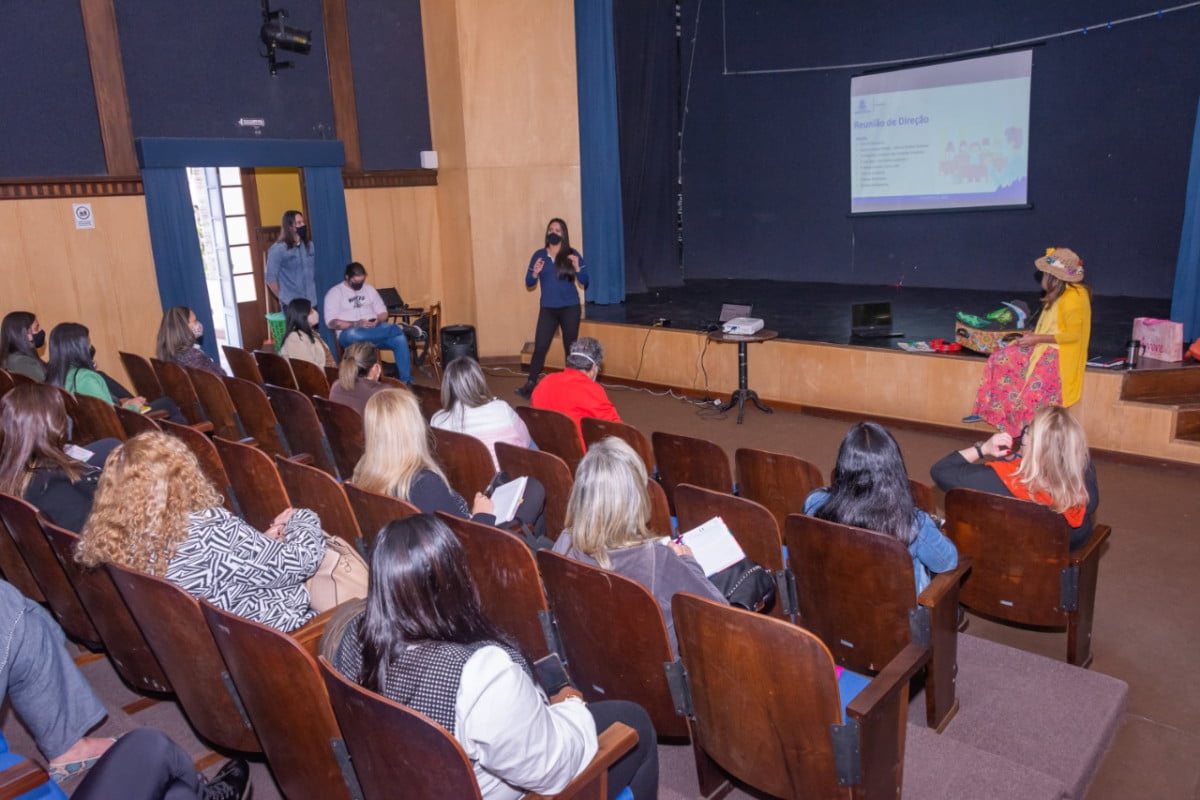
point(355, 313)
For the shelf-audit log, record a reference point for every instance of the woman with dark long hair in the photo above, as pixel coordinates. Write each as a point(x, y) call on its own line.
point(870, 489)
point(558, 267)
point(291, 265)
point(301, 339)
point(424, 640)
point(178, 334)
point(20, 338)
point(72, 366)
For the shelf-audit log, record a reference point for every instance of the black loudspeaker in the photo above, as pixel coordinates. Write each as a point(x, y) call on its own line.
point(458, 340)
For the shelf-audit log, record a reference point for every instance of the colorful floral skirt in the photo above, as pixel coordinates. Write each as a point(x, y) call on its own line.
point(1007, 398)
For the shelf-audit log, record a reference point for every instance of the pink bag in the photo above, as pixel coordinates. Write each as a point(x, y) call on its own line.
point(1161, 339)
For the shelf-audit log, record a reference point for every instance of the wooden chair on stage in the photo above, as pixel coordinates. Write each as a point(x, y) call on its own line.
point(553, 433)
point(550, 470)
point(373, 510)
point(242, 364)
point(614, 637)
point(686, 459)
point(596, 429)
point(510, 588)
point(310, 379)
point(141, 373)
point(257, 416)
point(98, 418)
point(178, 386)
point(430, 398)
point(24, 526)
point(1023, 568)
point(135, 422)
point(275, 369)
point(123, 640)
point(776, 722)
point(210, 461)
point(255, 482)
point(218, 405)
point(171, 621)
point(751, 524)
point(778, 481)
point(309, 487)
point(466, 460)
point(301, 428)
point(855, 590)
point(281, 688)
point(392, 746)
point(344, 431)
point(660, 510)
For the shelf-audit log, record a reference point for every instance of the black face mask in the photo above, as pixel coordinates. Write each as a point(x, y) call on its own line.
point(357, 285)
point(553, 239)
point(39, 339)
point(92, 353)
point(302, 232)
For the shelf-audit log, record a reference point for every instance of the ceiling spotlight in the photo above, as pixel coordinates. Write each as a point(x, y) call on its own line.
point(276, 34)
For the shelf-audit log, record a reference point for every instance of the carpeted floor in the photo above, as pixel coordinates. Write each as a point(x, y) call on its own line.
point(1146, 616)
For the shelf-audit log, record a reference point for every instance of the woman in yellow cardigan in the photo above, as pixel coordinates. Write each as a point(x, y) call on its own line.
point(1045, 367)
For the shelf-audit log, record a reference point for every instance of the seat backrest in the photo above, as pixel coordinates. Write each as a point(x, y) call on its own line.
point(770, 720)
point(751, 524)
point(310, 379)
point(596, 429)
point(178, 386)
point(141, 373)
point(206, 453)
point(15, 570)
point(373, 510)
point(686, 459)
point(923, 496)
point(275, 369)
point(309, 487)
point(506, 575)
point(660, 509)
point(855, 589)
point(285, 699)
point(430, 399)
point(242, 363)
point(1018, 551)
point(98, 418)
point(552, 471)
point(135, 422)
point(258, 418)
point(466, 460)
point(123, 640)
point(343, 427)
point(81, 434)
point(614, 636)
point(255, 481)
point(392, 746)
point(553, 432)
point(778, 481)
point(171, 620)
point(301, 429)
point(218, 405)
point(23, 525)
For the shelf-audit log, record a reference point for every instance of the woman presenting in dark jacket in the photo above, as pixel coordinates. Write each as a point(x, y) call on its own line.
point(558, 267)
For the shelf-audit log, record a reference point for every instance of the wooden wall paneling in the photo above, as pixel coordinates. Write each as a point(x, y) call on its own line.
point(394, 233)
point(108, 79)
point(341, 80)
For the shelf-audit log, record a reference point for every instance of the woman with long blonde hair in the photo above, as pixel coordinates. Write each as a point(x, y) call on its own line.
point(1049, 463)
point(606, 527)
point(156, 512)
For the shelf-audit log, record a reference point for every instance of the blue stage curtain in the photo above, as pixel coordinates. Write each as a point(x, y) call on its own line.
point(1185, 301)
point(331, 232)
point(176, 247)
point(599, 150)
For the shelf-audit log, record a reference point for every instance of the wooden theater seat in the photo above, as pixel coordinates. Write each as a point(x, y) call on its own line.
point(596, 429)
point(135, 422)
point(553, 432)
point(429, 397)
point(255, 481)
point(550, 470)
point(257, 416)
point(373, 511)
point(310, 379)
point(778, 481)
point(660, 510)
point(218, 405)
point(302, 429)
point(242, 363)
point(686, 459)
point(343, 427)
point(275, 369)
point(98, 418)
point(178, 386)
point(141, 373)
point(1023, 570)
point(466, 460)
point(206, 453)
point(309, 487)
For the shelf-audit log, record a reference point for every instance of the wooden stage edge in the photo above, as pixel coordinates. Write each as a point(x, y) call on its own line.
point(928, 391)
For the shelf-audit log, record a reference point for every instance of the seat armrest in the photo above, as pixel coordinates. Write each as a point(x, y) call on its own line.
point(204, 427)
point(892, 678)
point(945, 584)
point(309, 634)
point(20, 778)
point(161, 413)
point(1091, 547)
point(615, 741)
point(302, 458)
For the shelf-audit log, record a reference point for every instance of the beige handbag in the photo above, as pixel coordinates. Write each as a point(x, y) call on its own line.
point(342, 576)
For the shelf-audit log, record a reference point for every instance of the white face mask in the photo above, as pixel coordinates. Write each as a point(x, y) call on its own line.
point(198, 329)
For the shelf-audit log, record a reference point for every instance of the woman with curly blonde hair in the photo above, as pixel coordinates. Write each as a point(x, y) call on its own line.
point(155, 512)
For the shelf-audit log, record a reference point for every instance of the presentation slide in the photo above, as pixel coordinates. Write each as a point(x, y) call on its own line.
point(946, 136)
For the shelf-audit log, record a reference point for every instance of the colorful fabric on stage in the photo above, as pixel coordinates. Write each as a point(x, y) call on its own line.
point(1008, 397)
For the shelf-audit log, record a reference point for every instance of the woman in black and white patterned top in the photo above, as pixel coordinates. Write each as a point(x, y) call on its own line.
point(156, 512)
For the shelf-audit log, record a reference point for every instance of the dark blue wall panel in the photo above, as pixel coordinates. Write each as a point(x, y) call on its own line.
point(48, 122)
point(766, 173)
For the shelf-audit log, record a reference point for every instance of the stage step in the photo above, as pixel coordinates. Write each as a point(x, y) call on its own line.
point(1168, 385)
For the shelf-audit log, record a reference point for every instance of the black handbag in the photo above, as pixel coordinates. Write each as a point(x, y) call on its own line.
point(746, 584)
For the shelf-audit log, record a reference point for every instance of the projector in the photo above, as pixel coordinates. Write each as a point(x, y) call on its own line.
point(742, 326)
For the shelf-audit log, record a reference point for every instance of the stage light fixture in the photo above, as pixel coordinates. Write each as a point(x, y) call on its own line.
point(276, 34)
